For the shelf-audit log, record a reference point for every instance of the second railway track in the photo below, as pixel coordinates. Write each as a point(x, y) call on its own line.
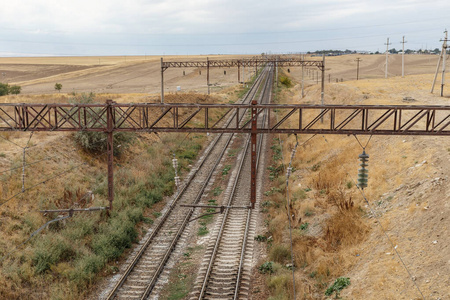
point(141, 275)
point(226, 269)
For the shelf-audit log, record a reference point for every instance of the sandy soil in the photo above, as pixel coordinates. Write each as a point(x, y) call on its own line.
point(112, 74)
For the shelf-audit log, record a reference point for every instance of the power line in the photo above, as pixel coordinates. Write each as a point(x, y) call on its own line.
point(48, 179)
point(35, 162)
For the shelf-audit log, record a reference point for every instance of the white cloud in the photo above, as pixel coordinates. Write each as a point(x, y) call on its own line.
point(143, 23)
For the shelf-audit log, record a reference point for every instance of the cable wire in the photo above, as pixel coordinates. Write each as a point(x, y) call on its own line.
point(48, 179)
point(35, 162)
point(32, 235)
point(379, 223)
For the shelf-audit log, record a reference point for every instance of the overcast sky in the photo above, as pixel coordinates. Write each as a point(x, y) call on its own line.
point(155, 27)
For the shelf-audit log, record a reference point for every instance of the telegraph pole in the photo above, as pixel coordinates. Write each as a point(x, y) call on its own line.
point(444, 48)
point(443, 58)
point(403, 56)
point(387, 55)
point(357, 68)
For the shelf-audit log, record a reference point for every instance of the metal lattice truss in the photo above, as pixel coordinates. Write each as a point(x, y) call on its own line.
point(253, 62)
point(298, 119)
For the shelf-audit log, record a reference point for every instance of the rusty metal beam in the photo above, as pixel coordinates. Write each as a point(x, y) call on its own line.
point(253, 167)
point(253, 62)
point(155, 117)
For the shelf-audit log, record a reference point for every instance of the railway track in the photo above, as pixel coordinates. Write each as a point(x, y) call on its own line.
point(225, 272)
point(141, 276)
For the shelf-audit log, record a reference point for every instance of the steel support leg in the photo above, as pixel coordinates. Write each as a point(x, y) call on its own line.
point(253, 156)
point(110, 153)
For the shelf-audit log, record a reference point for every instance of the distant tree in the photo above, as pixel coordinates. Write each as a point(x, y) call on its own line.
point(393, 51)
point(4, 89)
point(58, 87)
point(15, 89)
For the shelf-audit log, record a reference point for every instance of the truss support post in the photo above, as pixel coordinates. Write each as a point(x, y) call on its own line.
point(162, 81)
point(239, 72)
point(207, 74)
point(110, 152)
point(322, 91)
point(253, 156)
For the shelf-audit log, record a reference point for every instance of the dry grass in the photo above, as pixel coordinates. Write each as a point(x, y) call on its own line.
point(140, 175)
point(342, 239)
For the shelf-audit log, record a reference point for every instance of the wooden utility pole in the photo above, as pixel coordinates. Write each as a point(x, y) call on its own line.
point(443, 58)
point(357, 68)
point(403, 56)
point(387, 56)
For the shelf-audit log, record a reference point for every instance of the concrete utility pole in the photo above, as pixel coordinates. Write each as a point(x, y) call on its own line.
point(444, 48)
point(387, 55)
point(403, 56)
point(443, 58)
point(357, 68)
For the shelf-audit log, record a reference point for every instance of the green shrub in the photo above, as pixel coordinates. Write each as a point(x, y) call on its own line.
point(338, 285)
point(285, 81)
point(117, 235)
point(95, 142)
point(304, 226)
point(51, 250)
point(266, 268)
point(15, 89)
point(6, 89)
point(260, 238)
point(86, 268)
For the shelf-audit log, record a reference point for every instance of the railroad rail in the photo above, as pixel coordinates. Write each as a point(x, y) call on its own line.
point(225, 271)
point(141, 276)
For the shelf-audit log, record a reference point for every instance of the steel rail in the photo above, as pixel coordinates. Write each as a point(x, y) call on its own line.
point(186, 220)
point(224, 220)
point(166, 215)
point(249, 211)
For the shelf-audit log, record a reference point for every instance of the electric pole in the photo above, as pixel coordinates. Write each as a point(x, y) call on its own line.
point(357, 68)
point(443, 58)
point(403, 56)
point(387, 55)
point(444, 48)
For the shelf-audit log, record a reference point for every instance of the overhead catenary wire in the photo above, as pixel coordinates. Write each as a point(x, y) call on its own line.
point(379, 223)
point(48, 179)
point(46, 158)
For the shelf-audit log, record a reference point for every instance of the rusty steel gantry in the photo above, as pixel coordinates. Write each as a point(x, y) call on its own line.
point(251, 62)
point(154, 117)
